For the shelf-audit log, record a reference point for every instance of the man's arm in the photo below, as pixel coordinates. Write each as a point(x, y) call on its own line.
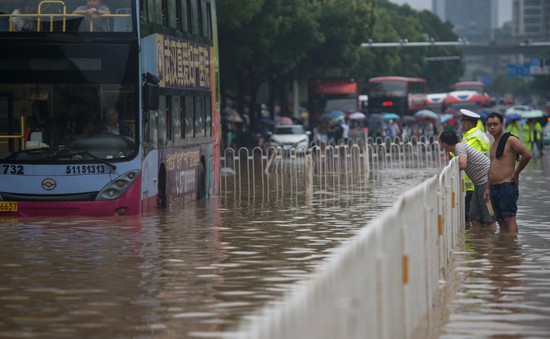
point(81, 10)
point(462, 161)
point(526, 156)
point(103, 10)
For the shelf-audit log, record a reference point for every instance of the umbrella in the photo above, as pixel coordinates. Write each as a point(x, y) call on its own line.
point(234, 117)
point(267, 121)
point(391, 116)
point(409, 118)
point(426, 114)
point(532, 114)
point(333, 114)
point(484, 113)
point(444, 118)
point(357, 116)
point(453, 112)
point(512, 116)
point(337, 120)
point(375, 117)
point(285, 121)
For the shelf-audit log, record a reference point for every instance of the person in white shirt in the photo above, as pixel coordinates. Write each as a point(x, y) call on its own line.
point(345, 129)
point(23, 23)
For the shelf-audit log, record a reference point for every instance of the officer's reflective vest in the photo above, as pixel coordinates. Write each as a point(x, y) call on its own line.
point(531, 133)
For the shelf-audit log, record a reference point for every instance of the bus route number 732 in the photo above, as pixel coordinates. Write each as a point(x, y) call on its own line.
point(13, 169)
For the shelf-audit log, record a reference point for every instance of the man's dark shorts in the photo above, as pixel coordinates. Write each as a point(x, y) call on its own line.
point(504, 198)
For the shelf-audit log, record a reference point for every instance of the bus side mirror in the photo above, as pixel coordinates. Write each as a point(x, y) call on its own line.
point(151, 94)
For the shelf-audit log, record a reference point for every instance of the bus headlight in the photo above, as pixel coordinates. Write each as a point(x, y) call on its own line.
point(117, 187)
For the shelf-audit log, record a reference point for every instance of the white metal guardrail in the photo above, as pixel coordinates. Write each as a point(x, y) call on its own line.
point(323, 168)
point(381, 282)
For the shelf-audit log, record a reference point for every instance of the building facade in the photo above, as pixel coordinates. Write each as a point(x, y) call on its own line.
point(531, 19)
point(475, 20)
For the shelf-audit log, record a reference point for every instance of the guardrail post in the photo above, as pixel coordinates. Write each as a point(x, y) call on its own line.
point(309, 179)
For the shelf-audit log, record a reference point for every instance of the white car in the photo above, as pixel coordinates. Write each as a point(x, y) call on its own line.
point(290, 136)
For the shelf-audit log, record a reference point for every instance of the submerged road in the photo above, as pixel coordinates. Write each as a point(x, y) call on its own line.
point(500, 284)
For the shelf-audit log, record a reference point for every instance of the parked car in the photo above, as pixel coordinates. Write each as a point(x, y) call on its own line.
point(290, 136)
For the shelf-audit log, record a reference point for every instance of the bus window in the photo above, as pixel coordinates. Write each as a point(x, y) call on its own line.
point(162, 121)
point(182, 116)
point(164, 12)
point(189, 108)
point(200, 20)
point(192, 7)
point(179, 17)
point(168, 117)
point(176, 117)
point(199, 116)
point(208, 120)
point(208, 21)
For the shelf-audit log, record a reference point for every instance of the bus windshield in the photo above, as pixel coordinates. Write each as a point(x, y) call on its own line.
point(387, 88)
point(73, 122)
point(66, 16)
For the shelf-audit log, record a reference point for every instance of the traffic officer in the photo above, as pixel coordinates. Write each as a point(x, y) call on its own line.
point(513, 127)
point(476, 138)
point(531, 134)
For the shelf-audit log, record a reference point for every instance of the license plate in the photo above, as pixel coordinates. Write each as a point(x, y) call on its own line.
point(8, 206)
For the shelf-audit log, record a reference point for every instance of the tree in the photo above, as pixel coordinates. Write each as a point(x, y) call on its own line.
point(273, 41)
point(265, 46)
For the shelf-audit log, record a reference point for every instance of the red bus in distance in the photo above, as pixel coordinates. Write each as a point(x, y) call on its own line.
point(394, 94)
point(327, 94)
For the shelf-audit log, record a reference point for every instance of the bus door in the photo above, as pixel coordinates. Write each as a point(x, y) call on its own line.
point(9, 124)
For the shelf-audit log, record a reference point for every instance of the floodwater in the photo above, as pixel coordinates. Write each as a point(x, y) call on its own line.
point(189, 273)
point(500, 286)
point(195, 272)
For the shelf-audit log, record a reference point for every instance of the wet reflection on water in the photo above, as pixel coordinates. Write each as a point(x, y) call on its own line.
point(188, 273)
point(505, 288)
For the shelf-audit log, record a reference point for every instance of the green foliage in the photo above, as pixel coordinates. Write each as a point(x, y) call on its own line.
point(262, 40)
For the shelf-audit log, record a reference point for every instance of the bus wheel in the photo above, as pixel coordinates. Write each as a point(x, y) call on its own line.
point(161, 201)
point(201, 186)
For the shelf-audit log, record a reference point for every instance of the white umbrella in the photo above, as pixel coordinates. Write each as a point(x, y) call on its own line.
point(426, 114)
point(357, 116)
point(532, 114)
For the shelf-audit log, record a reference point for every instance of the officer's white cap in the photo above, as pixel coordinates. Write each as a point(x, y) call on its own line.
point(469, 114)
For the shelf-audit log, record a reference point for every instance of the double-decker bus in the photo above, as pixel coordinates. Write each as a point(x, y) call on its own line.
point(470, 100)
point(326, 94)
point(435, 101)
point(476, 86)
point(394, 94)
point(152, 65)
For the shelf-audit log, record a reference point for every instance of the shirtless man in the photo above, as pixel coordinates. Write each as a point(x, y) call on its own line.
point(504, 175)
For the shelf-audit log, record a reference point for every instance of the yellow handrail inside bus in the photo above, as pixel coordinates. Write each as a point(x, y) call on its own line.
point(39, 15)
point(20, 136)
point(59, 2)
